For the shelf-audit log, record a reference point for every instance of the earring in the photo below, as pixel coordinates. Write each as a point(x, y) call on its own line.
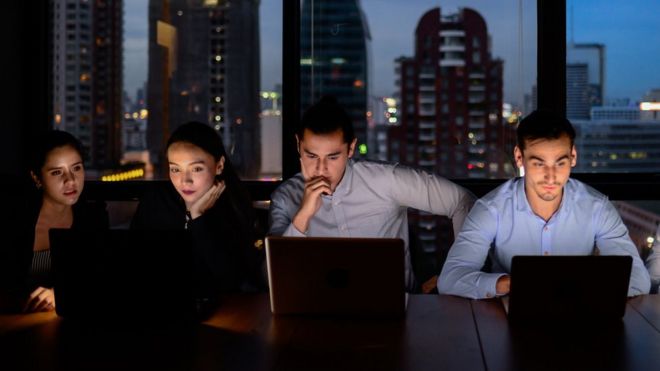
point(38, 185)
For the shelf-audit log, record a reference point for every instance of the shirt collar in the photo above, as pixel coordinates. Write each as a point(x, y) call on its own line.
point(568, 197)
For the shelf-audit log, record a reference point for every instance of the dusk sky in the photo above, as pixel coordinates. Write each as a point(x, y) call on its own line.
point(628, 29)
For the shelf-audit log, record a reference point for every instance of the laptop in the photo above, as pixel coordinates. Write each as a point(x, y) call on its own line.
point(568, 288)
point(362, 277)
point(123, 276)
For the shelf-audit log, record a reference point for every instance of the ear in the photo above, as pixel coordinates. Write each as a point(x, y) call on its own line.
point(35, 178)
point(518, 156)
point(298, 144)
point(573, 157)
point(220, 165)
point(351, 148)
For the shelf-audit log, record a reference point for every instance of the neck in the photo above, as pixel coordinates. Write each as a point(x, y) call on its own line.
point(54, 208)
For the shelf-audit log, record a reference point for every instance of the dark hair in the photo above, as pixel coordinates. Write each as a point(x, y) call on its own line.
point(542, 124)
point(325, 117)
point(47, 142)
point(210, 141)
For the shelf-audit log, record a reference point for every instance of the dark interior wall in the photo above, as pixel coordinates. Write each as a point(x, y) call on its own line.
point(25, 80)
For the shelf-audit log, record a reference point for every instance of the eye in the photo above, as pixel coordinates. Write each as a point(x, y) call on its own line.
point(333, 157)
point(174, 170)
point(198, 169)
point(77, 168)
point(311, 156)
point(56, 172)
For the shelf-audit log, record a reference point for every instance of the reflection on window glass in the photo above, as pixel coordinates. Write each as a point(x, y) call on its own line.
point(612, 84)
point(128, 73)
point(435, 85)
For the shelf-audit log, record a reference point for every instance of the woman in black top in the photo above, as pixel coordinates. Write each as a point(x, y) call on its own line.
point(53, 200)
point(205, 197)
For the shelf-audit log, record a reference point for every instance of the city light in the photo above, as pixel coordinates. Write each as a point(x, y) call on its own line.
point(218, 118)
point(144, 114)
point(358, 83)
point(363, 149)
point(125, 175)
point(218, 99)
point(306, 61)
point(338, 60)
point(649, 106)
point(218, 58)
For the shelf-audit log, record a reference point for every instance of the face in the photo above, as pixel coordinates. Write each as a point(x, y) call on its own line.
point(324, 155)
point(62, 176)
point(192, 170)
point(547, 165)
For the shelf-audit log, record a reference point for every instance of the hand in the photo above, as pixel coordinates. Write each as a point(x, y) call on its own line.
point(207, 200)
point(429, 285)
point(40, 300)
point(503, 285)
point(311, 202)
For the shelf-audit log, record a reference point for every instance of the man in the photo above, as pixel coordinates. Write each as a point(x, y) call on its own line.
point(653, 263)
point(334, 196)
point(542, 213)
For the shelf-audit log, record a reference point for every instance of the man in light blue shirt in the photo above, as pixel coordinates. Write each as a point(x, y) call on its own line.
point(653, 263)
point(334, 196)
point(542, 213)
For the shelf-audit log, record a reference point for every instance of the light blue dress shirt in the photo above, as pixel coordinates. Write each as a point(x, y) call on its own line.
point(653, 262)
point(371, 200)
point(502, 225)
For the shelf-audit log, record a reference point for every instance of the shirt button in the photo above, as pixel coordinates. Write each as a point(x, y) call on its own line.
point(545, 229)
point(489, 295)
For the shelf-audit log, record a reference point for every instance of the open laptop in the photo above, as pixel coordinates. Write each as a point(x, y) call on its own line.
point(123, 276)
point(568, 288)
point(336, 276)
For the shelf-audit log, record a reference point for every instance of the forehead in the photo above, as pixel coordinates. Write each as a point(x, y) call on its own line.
point(329, 142)
point(187, 152)
point(65, 153)
point(548, 148)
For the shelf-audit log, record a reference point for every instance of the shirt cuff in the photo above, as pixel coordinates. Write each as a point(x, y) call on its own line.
point(292, 231)
point(488, 285)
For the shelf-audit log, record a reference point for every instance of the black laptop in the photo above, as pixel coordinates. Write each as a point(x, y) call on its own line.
point(362, 277)
point(568, 288)
point(123, 276)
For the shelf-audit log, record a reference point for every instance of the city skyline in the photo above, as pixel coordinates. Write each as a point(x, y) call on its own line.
point(629, 71)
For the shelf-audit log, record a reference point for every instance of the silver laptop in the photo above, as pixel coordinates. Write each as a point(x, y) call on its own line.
point(336, 276)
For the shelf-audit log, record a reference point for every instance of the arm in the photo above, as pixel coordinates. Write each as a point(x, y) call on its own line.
point(612, 239)
point(461, 274)
point(431, 193)
point(653, 263)
point(284, 205)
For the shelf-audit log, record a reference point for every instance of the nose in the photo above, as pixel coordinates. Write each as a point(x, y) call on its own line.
point(321, 167)
point(69, 176)
point(550, 173)
point(187, 177)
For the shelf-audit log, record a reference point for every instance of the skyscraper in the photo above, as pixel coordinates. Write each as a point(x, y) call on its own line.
point(204, 66)
point(585, 78)
point(87, 76)
point(334, 48)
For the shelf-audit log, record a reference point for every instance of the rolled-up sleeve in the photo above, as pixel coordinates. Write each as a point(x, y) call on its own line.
point(461, 275)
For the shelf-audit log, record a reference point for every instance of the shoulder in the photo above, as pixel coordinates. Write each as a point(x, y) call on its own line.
point(503, 194)
point(291, 188)
point(585, 196)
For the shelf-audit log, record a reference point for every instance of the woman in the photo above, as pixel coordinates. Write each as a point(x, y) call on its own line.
point(58, 178)
point(205, 197)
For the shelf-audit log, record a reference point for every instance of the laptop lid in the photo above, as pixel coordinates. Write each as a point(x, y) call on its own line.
point(336, 276)
point(123, 275)
point(566, 288)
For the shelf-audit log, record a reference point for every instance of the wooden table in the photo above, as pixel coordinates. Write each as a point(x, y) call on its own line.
point(438, 333)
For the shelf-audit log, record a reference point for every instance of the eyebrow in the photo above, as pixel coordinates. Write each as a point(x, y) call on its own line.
point(329, 154)
point(542, 160)
point(192, 163)
point(59, 167)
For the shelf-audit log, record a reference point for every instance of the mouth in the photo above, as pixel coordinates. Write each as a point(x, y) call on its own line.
point(70, 193)
point(187, 192)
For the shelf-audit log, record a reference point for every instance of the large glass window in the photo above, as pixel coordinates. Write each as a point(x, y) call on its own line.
point(128, 73)
point(435, 85)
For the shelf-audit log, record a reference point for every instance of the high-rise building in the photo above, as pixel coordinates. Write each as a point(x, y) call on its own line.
point(450, 115)
point(577, 91)
point(585, 78)
point(204, 66)
point(334, 49)
point(87, 76)
point(451, 100)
